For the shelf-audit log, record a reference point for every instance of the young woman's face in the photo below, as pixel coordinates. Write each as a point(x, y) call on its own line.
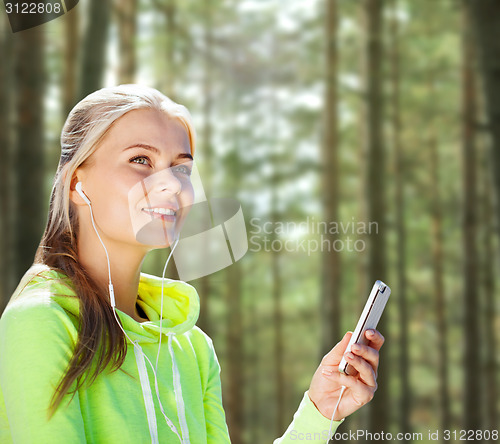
point(138, 179)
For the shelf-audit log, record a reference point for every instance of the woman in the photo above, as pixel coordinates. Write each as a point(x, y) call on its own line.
point(69, 371)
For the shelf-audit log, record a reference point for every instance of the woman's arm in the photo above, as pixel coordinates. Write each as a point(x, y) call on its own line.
point(215, 418)
point(36, 344)
point(308, 425)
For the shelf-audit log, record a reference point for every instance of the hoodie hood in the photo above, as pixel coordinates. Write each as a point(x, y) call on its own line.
point(181, 308)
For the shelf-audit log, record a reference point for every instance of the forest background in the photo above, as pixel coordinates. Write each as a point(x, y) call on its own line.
point(380, 116)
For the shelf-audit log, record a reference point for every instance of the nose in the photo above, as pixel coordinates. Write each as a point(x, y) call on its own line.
point(165, 180)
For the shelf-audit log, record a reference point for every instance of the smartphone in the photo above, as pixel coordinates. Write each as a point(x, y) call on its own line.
point(368, 320)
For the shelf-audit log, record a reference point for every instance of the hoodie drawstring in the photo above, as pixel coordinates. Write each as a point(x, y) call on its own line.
point(146, 392)
point(181, 411)
point(148, 396)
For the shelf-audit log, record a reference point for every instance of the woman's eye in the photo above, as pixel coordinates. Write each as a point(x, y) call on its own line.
point(141, 160)
point(182, 169)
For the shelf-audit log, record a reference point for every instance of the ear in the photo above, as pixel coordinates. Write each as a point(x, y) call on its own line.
point(73, 194)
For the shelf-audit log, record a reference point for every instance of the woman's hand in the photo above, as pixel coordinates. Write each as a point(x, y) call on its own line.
point(327, 381)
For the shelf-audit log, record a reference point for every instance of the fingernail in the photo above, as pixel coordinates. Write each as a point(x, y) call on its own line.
point(355, 347)
point(370, 332)
point(349, 355)
point(326, 372)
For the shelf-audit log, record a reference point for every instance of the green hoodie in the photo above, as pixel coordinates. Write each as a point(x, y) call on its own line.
point(38, 331)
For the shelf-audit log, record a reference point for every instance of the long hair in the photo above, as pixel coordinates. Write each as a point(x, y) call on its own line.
point(101, 342)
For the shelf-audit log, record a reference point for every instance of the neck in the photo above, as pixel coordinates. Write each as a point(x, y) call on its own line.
point(125, 262)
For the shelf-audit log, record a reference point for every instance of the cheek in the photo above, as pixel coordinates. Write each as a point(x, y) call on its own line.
point(114, 206)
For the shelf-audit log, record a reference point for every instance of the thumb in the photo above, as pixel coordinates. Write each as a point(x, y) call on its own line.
point(334, 356)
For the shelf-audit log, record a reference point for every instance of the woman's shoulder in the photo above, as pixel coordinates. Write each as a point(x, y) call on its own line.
point(37, 328)
point(43, 294)
point(199, 335)
point(42, 276)
point(201, 342)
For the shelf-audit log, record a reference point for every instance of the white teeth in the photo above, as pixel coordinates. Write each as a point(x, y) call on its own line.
point(165, 211)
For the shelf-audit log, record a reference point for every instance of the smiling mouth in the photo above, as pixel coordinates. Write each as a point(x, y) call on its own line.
point(160, 211)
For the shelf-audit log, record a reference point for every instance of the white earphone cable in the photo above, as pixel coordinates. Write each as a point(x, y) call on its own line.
point(111, 290)
point(335, 411)
point(161, 306)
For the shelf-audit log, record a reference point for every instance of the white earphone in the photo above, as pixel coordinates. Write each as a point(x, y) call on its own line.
point(79, 190)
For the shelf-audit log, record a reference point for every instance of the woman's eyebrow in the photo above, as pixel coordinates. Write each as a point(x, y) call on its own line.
point(156, 150)
point(185, 156)
point(145, 146)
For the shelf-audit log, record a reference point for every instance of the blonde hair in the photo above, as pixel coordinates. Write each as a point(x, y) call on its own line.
point(100, 340)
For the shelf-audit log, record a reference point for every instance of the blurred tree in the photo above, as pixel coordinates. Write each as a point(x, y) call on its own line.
point(485, 17)
point(6, 201)
point(279, 376)
point(206, 141)
point(126, 11)
point(235, 355)
point(362, 286)
point(438, 262)
point(277, 291)
point(95, 42)
point(29, 153)
point(380, 406)
point(71, 46)
point(472, 400)
point(330, 171)
point(400, 206)
point(169, 9)
point(275, 180)
point(488, 262)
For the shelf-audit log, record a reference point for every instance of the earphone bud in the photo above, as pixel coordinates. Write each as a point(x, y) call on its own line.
point(79, 190)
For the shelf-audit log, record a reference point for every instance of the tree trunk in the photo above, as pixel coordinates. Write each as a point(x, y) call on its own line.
point(127, 14)
point(279, 376)
point(330, 278)
point(94, 47)
point(380, 405)
point(6, 99)
point(362, 263)
point(485, 17)
point(71, 25)
point(399, 169)
point(253, 371)
point(235, 352)
point(235, 355)
point(170, 11)
point(205, 284)
point(29, 155)
point(437, 255)
point(489, 287)
point(472, 401)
